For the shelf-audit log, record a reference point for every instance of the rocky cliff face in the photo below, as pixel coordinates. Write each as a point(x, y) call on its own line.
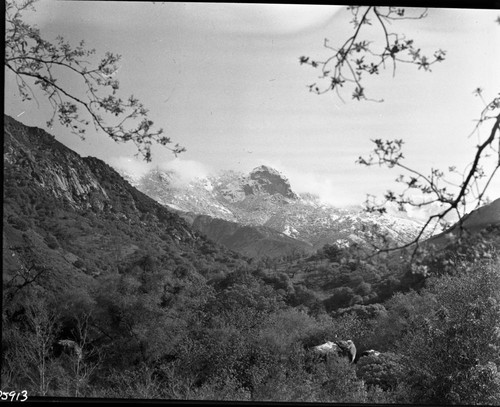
point(79, 217)
point(47, 163)
point(261, 180)
point(268, 180)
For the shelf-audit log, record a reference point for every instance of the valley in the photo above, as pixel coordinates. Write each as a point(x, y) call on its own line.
point(219, 289)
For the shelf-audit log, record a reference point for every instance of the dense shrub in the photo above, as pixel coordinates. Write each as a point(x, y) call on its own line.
point(18, 223)
point(452, 347)
point(52, 242)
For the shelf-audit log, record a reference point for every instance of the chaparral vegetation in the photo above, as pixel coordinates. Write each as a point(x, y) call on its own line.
point(107, 293)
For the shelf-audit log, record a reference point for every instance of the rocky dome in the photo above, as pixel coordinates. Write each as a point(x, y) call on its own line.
point(266, 179)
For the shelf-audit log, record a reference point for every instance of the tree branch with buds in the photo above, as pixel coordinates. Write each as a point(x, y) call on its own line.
point(38, 63)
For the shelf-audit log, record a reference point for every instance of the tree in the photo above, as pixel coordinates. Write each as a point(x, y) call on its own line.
point(350, 63)
point(28, 273)
point(81, 359)
point(347, 68)
point(451, 345)
point(39, 63)
point(384, 371)
point(27, 359)
point(342, 297)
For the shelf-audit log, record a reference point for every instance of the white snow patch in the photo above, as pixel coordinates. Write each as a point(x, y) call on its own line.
point(208, 185)
point(290, 231)
point(342, 243)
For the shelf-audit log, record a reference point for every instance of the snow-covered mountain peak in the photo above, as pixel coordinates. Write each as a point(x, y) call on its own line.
point(264, 197)
point(268, 180)
point(266, 169)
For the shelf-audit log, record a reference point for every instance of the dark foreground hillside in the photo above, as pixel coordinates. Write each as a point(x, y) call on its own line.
point(106, 293)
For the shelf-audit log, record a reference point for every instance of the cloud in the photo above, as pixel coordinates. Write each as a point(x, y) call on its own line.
point(422, 214)
point(186, 170)
point(324, 187)
point(132, 167)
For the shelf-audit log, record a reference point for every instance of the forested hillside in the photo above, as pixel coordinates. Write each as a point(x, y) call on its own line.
point(107, 293)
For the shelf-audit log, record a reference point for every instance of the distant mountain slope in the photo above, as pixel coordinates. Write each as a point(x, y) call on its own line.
point(78, 218)
point(264, 197)
point(166, 188)
point(252, 241)
point(482, 217)
point(474, 222)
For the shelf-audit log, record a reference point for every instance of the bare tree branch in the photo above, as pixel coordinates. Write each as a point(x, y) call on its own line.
point(347, 66)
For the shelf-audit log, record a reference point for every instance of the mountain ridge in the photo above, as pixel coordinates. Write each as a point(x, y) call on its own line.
point(472, 223)
point(264, 198)
point(81, 220)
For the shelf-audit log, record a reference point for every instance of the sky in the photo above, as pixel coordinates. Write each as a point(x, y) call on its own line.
point(224, 81)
